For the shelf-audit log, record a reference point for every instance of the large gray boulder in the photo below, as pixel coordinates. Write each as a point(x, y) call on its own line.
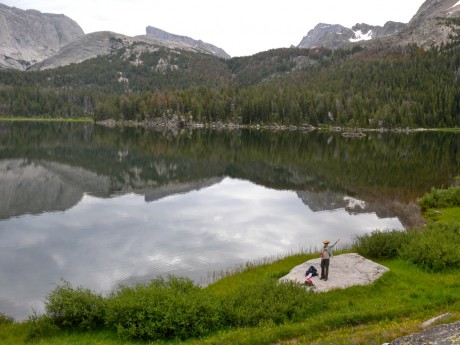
point(345, 270)
point(447, 334)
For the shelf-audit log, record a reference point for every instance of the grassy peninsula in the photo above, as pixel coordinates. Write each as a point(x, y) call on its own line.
point(250, 307)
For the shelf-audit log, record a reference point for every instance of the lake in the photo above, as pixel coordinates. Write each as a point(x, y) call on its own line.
point(99, 207)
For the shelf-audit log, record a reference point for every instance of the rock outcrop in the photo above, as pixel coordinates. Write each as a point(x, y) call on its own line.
point(375, 31)
point(430, 25)
point(334, 36)
point(28, 37)
point(345, 270)
point(84, 48)
point(103, 43)
point(447, 334)
point(327, 36)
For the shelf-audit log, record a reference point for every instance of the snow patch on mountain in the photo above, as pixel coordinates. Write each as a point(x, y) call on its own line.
point(458, 3)
point(360, 36)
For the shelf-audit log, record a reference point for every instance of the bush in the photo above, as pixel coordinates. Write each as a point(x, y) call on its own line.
point(381, 244)
point(440, 198)
point(5, 319)
point(164, 309)
point(268, 301)
point(39, 326)
point(436, 248)
point(75, 308)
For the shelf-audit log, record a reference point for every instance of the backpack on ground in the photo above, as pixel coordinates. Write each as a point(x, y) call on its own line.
point(311, 270)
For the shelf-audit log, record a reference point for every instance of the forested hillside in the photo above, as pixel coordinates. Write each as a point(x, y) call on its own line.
point(375, 86)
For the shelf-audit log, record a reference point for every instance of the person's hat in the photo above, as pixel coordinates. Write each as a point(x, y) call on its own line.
point(326, 241)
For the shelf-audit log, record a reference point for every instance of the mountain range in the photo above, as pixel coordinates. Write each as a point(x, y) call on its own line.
point(36, 41)
point(338, 36)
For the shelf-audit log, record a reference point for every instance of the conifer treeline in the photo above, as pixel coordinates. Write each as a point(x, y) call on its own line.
point(378, 87)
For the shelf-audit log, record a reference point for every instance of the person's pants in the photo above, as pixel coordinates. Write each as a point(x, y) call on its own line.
point(324, 268)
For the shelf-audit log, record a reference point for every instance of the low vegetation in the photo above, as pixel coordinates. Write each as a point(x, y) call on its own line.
point(251, 307)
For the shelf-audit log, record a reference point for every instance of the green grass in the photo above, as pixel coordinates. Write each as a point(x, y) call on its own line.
point(45, 119)
point(445, 215)
point(405, 294)
point(451, 130)
point(254, 273)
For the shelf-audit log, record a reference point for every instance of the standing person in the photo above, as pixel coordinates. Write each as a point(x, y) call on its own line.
point(325, 255)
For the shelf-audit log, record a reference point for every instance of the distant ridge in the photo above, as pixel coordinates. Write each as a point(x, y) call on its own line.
point(334, 36)
point(163, 35)
point(430, 26)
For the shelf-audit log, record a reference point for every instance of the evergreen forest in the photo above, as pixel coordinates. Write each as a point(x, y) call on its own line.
point(364, 86)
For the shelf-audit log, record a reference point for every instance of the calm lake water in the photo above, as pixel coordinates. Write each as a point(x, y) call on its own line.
point(100, 207)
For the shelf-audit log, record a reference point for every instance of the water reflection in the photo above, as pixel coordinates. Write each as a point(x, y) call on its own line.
point(100, 243)
point(101, 206)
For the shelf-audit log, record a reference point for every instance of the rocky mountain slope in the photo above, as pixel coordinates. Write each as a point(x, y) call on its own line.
point(28, 37)
point(163, 35)
point(36, 41)
point(103, 43)
point(429, 26)
point(337, 36)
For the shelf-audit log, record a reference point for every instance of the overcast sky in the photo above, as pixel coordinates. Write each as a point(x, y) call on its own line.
point(240, 27)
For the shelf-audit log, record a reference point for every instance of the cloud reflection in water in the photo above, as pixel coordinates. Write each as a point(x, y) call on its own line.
point(100, 243)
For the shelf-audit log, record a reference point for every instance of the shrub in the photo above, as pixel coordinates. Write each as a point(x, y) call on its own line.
point(164, 309)
point(5, 319)
point(268, 301)
point(75, 308)
point(436, 248)
point(39, 326)
point(381, 244)
point(440, 198)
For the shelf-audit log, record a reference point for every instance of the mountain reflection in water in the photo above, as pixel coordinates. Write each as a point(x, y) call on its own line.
point(100, 243)
point(99, 207)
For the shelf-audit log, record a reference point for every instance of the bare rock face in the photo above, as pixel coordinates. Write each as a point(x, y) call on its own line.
point(430, 26)
point(438, 335)
point(327, 36)
point(103, 43)
point(344, 271)
point(28, 37)
point(337, 36)
point(163, 35)
point(83, 48)
point(375, 31)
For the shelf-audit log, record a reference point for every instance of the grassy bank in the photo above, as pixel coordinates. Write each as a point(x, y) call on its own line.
point(46, 119)
point(251, 308)
point(393, 306)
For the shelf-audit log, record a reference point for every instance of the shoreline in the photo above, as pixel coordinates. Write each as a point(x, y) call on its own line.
point(178, 124)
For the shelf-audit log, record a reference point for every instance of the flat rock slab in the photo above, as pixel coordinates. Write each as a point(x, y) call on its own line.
point(345, 270)
point(447, 334)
